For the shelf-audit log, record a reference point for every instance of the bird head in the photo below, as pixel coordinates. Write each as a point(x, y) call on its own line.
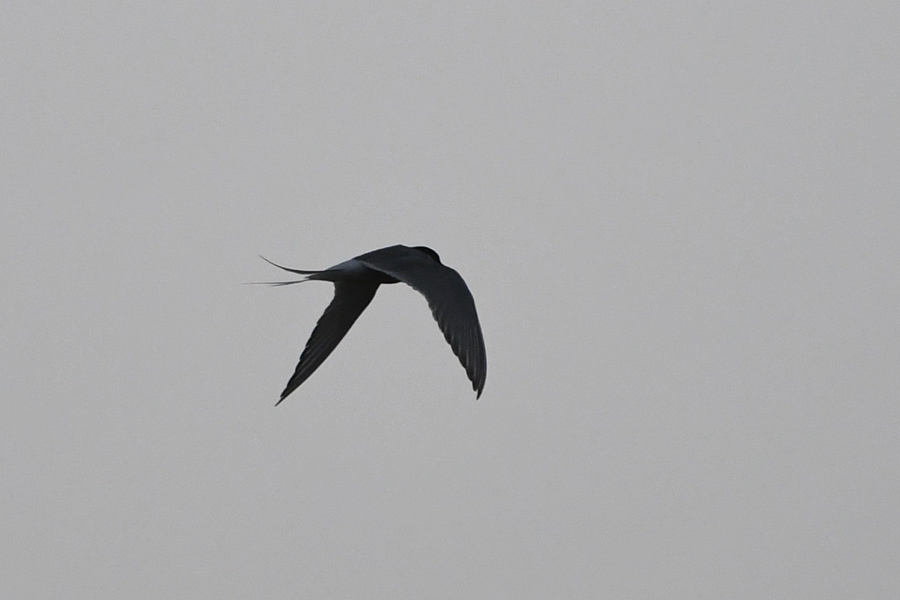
point(429, 252)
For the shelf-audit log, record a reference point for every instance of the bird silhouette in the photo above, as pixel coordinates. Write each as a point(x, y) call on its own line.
point(355, 283)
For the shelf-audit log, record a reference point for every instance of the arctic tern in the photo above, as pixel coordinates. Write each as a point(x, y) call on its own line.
point(357, 280)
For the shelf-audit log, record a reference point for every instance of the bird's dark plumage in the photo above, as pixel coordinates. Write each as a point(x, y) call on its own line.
point(356, 282)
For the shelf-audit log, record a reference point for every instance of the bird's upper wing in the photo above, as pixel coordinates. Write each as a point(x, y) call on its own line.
point(350, 299)
point(448, 297)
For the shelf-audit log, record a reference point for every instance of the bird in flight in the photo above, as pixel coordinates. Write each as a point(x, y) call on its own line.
point(357, 280)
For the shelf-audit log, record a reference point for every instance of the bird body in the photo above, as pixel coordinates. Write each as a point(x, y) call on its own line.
point(355, 283)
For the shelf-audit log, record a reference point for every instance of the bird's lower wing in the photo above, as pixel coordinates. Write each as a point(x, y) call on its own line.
point(350, 299)
point(448, 297)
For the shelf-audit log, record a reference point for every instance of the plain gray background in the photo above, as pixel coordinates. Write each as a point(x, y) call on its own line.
point(680, 224)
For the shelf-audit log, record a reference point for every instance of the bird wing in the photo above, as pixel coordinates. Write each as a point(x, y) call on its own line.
point(448, 297)
point(350, 299)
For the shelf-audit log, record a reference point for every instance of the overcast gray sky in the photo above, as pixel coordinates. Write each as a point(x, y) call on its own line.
point(680, 222)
